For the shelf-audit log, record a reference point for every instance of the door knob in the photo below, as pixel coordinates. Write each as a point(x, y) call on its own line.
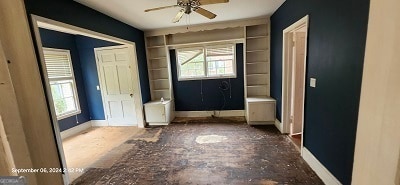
point(131, 95)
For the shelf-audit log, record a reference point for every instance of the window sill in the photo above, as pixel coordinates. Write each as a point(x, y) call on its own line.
point(70, 114)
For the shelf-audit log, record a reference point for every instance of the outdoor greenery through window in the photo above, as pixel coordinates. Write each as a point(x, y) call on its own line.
point(208, 62)
point(62, 82)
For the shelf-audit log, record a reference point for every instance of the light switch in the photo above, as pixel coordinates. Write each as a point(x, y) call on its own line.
point(313, 82)
point(98, 88)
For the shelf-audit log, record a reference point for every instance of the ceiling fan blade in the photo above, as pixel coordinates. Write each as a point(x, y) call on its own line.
point(205, 2)
point(205, 13)
point(178, 16)
point(160, 8)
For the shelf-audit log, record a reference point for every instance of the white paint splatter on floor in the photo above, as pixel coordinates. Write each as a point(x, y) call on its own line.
point(210, 139)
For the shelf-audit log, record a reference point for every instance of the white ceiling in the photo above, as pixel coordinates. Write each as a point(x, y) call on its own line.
point(132, 11)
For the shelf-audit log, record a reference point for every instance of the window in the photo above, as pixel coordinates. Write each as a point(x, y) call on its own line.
point(62, 82)
point(208, 62)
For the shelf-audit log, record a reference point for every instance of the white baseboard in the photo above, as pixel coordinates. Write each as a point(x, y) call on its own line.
point(224, 113)
point(323, 173)
point(100, 123)
point(278, 125)
point(260, 122)
point(75, 130)
point(158, 124)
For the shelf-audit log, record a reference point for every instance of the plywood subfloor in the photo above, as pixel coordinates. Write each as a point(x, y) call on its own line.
point(218, 151)
point(83, 150)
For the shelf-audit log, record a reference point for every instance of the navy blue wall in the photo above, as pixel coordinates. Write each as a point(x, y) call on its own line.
point(86, 47)
point(336, 45)
point(58, 40)
point(73, 13)
point(187, 93)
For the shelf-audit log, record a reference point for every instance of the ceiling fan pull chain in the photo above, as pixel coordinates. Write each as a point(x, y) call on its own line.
point(188, 23)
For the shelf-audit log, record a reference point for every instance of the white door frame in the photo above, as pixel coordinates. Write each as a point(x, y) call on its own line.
point(286, 81)
point(133, 62)
point(37, 22)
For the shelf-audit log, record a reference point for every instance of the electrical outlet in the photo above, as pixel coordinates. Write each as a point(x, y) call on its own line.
point(313, 82)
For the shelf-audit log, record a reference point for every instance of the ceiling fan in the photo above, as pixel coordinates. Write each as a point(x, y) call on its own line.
point(189, 6)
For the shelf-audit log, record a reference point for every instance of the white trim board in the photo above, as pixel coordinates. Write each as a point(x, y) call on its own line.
point(285, 117)
point(224, 113)
point(75, 130)
point(278, 125)
point(327, 177)
point(100, 123)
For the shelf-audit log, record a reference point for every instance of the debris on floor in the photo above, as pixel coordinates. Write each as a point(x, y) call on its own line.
point(210, 139)
point(148, 135)
point(208, 152)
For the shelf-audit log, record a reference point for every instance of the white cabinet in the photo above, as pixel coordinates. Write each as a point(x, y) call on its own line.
point(159, 113)
point(260, 110)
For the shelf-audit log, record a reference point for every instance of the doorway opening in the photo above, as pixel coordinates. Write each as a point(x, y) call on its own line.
point(75, 90)
point(294, 79)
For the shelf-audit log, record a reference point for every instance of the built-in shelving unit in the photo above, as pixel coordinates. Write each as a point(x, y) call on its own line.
point(159, 112)
point(159, 68)
point(253, 33)
point(257, 60)
point(257, 79)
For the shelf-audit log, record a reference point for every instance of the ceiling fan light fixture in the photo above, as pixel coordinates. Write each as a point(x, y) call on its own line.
point(189, 6)
point(178, 16)
point(188, 9)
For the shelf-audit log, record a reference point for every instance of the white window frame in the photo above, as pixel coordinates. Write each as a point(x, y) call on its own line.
point(205, 64)
point(74, 89)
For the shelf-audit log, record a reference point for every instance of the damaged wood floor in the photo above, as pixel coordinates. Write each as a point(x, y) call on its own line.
point(204, 151)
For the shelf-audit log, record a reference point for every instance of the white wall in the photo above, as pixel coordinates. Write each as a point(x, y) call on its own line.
point(376, 159)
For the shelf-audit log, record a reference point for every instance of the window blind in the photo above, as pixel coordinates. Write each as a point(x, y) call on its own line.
point(185, 56)
point(58, 64)
point(220, 51)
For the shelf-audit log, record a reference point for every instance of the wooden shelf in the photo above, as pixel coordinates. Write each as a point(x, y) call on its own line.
point(258, 50)
point(257, 74)
point(259, 99)
point(161, 90)
point(155, 47)
point(258, 85)
point(257, 37)
point(254, 63)
point(160, 79)
point(157, 69)
point(158, 58)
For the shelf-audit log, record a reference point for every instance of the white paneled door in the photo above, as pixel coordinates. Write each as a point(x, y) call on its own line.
point(116, 80)
point(298, 82)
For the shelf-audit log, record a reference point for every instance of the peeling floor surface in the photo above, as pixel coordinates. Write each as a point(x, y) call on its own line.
point(229, 152)
point(84, 149)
